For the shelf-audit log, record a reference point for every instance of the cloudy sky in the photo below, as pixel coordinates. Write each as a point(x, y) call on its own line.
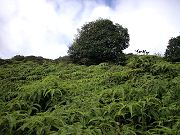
point(47, 27)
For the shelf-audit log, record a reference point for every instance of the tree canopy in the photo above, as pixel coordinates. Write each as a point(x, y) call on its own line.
point(173, 50)
point(99, 41)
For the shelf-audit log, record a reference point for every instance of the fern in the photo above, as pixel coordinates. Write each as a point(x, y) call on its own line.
point(56, 98)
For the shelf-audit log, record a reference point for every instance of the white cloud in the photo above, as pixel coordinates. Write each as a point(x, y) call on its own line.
point(148, 27)
point(34, 28)
point(46, 27)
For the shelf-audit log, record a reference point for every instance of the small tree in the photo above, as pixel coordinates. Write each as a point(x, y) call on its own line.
point(173, 50)
point(99, 41)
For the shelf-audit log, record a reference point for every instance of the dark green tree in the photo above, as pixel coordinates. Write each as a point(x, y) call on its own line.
point(173, 50)
point(99, 41)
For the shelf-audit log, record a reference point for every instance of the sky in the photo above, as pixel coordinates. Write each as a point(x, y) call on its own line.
point(47, 27)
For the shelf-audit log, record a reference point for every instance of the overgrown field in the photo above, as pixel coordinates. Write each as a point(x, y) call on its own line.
point(56, 98)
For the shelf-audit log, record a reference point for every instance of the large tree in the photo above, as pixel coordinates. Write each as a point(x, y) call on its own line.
point(99, 41)
point(173, 50)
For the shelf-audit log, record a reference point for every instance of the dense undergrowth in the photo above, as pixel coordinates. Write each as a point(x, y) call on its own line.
point(57, 98)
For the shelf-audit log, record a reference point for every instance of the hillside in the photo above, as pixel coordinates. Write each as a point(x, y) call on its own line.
point(46, 97)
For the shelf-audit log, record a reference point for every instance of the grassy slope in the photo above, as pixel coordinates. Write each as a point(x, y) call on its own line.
point(141, 98)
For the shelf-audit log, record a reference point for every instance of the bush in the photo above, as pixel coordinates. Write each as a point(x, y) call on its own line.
point(18, 58)
point(173, 50)
point(99, 41)
point(4, 61)
point(64, 59)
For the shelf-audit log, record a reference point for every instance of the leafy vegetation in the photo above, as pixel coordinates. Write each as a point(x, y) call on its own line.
point(99, 41)
point(46, 97)
point(173, 50)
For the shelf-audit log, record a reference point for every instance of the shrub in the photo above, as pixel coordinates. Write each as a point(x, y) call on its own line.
point(99, 41)
point(173, 50)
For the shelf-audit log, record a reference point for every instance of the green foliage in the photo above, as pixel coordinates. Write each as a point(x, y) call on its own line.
point(57, 98)
point(2, 61)
point(18, 58)
point(38, 59)
point(64, 59)
point(99, 41)
point(173, 50)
